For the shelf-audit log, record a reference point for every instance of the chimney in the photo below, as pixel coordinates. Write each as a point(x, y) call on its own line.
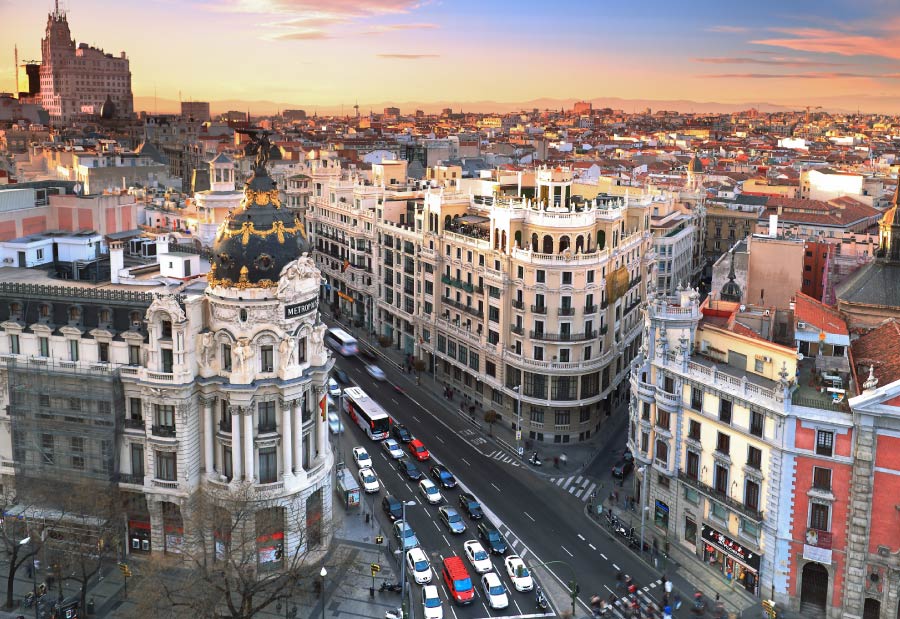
point(116, 260)
point(773, 226)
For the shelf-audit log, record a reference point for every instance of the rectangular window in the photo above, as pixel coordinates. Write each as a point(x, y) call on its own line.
point(662, 418)
point(226, 463)
point(818, 517)
point(73, 350)
point(164, 415)
point(266, 359)
point(537, 414)
point(694, 430)
point(590, 278)
point(77, 446)
point(137, 460)
point(493, 313)
point(47, 448)
point(166, 331)
point(757, 421)
point(824, 443)
point(693, 465)
point(821, 478)
point(749, 529)
point(167, 359)
point(721, 479)
point(567, 278)
point(645, 411)
point(691, 495)
point(103, 352)
point(723, 443)
point(690, 530)
point(135, 408)
point(562, 418)
point(541, 276)
point(490, 368)
point(538, 353)
point(165, 466)
point(718, 511)
point(266, 412)
point(268, 465)
point(645, 442)
point(134, 355)
point(751, 495)
point(44, 346)
point(226, 357)
point(697, 399)
point(14, 344)
point(754, 458)
point(725, 411)
point(474, 361)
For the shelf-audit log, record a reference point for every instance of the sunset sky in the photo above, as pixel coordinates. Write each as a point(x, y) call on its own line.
point(326, 53)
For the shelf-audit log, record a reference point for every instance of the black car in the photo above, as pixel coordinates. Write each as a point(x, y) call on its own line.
point(443, 476)
point(470, 505)
point(627, 455)
point(491, 536)
point(392, 507)
point(401, 433)
point(409, 469)
point(341, 376)
point(622, 468)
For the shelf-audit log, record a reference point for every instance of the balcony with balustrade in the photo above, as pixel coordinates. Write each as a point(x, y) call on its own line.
point(722, 497)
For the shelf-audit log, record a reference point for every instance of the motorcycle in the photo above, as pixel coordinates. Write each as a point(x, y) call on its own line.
point(540, 599)
point(699, 604)
point(28, 601)
point(393, 587)
point(394, 613)
point(535, 459)
point(611, 520)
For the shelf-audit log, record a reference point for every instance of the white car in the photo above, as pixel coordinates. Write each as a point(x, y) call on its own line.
point(334, 423)
point(478, 557)
point(369, 480)
point(392, 448)
point(430, 492)
point(494, 591)
point(417, 564)
point(518, 573)
point(376, 372)
point(361, 457)
point(333, 388)
point(431, 602)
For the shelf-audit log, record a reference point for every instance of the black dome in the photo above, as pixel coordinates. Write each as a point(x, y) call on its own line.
point(108, 109)
point(256, 241)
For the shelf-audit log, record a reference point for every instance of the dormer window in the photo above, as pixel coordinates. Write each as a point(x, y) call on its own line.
point(104, 317)
point(74, 314)
point(44, 311)
point(136, 319)
point(15, 310)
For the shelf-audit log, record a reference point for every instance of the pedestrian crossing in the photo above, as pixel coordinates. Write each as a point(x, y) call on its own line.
point(579, 486)
point(622, 606)
point(501, 456)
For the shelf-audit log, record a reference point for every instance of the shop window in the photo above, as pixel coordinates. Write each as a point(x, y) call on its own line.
point(661, 515)
point(690, 530)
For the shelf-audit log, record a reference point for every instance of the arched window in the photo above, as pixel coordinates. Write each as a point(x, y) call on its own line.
point(503, 241)
point(534, 242)
point(601, 240)
point(447, 221)
point(662, 452)
point(548, 244)
point(518, 239)
point(564, 243)
point(496, 239)
point(579, 244)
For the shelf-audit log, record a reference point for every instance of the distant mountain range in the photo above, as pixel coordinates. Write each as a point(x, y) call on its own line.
point(268, 108)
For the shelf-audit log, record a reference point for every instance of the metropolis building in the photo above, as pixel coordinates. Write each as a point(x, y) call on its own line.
point(166, 385)
point(511, 289)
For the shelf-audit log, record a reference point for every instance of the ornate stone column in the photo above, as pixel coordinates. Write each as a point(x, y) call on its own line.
point(249, 461)
point(297, 412)
point(209, 431)
point(321, 425)
point(236, 466)
point(287, 437)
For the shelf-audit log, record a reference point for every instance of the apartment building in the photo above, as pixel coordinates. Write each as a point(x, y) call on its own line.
point(523, 295)
point(675, 242)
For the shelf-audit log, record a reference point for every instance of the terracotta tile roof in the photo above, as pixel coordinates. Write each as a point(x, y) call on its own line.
point(880, 348)
point(838, 212)
point(816, 313)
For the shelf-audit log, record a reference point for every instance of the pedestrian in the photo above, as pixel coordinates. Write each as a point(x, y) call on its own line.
point(667, 584)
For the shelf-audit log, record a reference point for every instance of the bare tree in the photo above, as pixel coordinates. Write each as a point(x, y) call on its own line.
point(234, 563)
point(14, 528)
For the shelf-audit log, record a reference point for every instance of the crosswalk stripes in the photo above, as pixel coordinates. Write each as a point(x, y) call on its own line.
point(501, 456)
point(579, 486)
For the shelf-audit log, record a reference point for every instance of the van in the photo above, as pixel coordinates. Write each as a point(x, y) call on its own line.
point(456, 577)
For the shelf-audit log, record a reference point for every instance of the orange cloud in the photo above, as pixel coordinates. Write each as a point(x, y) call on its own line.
point(836, 42)
point(797, 76)
point(783, 62)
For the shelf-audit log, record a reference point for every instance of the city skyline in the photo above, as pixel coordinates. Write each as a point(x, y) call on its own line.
point(838, 55)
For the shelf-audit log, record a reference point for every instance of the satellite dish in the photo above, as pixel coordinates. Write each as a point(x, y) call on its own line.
point(800, 356)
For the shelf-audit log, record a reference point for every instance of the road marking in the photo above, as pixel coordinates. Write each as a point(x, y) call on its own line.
point(604, 557)
point(440, 439)
point(593, 547)
point(591, 489)
point(616, 567)
point(581, 537)
point(416, 418)
point(579, 480)
point(394, 400)
point(567, 551)
point(435, 526)
point(446, 540)
point(466, 461)
point(560, 481)
point(495, 487)
point(529, 516)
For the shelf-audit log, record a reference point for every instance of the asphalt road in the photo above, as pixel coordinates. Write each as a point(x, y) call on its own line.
point(541, 522)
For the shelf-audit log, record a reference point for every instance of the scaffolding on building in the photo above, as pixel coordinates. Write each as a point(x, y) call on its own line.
point(65, 421)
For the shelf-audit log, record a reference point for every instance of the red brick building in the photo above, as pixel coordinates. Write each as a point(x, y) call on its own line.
point(815, 267)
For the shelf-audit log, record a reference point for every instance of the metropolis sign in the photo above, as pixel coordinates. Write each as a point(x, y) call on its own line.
point(296, 310)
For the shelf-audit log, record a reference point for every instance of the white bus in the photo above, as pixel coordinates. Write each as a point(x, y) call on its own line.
point(341, 341)
point(366, 412)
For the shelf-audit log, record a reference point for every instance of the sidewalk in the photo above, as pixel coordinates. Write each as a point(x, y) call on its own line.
point(574, 457)
point(686, 572)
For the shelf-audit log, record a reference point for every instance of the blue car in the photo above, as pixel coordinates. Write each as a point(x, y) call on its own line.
point(410, 470)
point(442, 476)
point(452, 520)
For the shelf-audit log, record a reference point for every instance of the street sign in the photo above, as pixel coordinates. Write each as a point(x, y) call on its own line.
point(519, 436)
point(521, 450)
point(375, 569)
point(379, 539)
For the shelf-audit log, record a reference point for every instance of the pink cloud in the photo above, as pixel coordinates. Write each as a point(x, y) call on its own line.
point(835, 42)
point(798, 76)
point(407, 56)
point(784, 62)
point(727, 29)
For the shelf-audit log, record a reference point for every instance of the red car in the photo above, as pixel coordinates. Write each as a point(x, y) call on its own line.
point(417, 449)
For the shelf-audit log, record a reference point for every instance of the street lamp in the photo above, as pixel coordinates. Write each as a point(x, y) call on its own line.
point(26, 542)
point(403, 560)
point(518, 391)
point(323, 573)
point(645, 493)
